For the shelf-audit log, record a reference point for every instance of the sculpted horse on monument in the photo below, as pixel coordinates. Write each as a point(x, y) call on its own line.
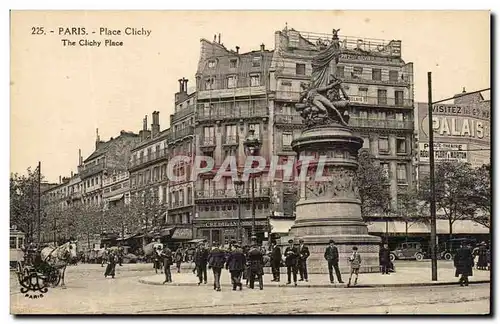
point(59, 257)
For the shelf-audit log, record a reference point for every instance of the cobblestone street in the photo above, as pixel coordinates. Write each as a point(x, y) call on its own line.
point(88, 292)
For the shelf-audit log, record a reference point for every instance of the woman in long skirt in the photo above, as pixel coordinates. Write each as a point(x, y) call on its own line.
point(110, 268)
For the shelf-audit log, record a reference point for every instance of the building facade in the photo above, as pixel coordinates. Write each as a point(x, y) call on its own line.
point(462, 131)
point(181, 147)
point(232, 98)
point(379, 84)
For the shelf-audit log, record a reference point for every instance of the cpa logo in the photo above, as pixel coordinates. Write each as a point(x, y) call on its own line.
point(33, 284)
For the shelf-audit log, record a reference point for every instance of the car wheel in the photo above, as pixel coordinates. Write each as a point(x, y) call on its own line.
point(419, 256)
point(392, 257)
point(447, 256)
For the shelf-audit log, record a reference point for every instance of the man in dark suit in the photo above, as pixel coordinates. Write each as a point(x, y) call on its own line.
point(291, 260)
point(464, 262)
point(256, 265)
point(236, 264)
point(167, 262)
point(200, 260)
point(385, 260)
point(216, 261)
point(276, 261)
point(332, 256)
point(303, 255)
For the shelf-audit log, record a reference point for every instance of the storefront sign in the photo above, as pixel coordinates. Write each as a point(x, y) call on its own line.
point(231, 223)
point(444, 152)
point(183, 234)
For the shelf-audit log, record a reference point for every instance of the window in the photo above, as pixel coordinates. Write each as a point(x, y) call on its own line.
point(231, 82)
point(340, 72)
point(181, 197)
point(12, 242)
point(230, 134)
point(300, 69)
point(287, 139)
point(400, 145)
point(366, 142)
point(255, 80)
point(212, 64)
point(376, 74)
point(363, 114)
point(207, 109)
point(208, 135)
point(256, 61)
point(401, 174)
point(393, 76)
point(385, 169)
point(383, 145)
point(209, 84)
point(357, 72)
point(363, 93)
point(256, 128)
point(382, 97)
point(233, 63)
point(399, 98)
point(399, 116)
point(189, 195)
point(381, 115)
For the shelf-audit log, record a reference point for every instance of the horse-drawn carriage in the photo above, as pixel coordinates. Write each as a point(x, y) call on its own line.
point(47, 264)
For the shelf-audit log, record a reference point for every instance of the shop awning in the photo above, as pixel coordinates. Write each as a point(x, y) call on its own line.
point(182, 234)
point(280, 226)
point(196, 241)
point(442, 227)
point(166, 231)
point(115, 198)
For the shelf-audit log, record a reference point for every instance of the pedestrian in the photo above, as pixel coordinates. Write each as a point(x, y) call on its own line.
point(463, 262)
point(291, 262)
point(302, 260)
point(246, 271)
point(157, 259)
point(178, 258)
point(276, 261)
point(105, 255)
point(385, 260)
point(482, 260)
point(355, 260)
point(216, 261)
point(167, 263)
point(201, 259)
point(256, 260)
point(121, 253)
point(111, 260)
point(236, 265)
point(332, 257)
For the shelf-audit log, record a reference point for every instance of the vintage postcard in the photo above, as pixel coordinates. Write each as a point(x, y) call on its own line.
point(250, 162)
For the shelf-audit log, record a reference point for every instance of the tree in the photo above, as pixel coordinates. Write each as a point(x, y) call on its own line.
point(145, 211)
point(453, 191)
point(373, 186)
point(481, 197)
point(408, 207)
point(24, 201)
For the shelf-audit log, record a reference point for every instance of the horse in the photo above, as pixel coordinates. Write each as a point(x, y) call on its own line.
point(59, 257)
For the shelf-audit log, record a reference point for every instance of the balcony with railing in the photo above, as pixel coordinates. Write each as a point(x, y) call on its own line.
point(238, 112)
point(230, 140)
point(148, 159)
point(177, 135)
point(207, 144)
point(381, 123)
point(86, 171)
point(288, 119)
point(262, 192)
point(182, 113)
point(232, 92)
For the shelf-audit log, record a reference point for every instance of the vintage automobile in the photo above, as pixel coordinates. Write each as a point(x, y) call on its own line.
point(408, 251)
point(447, 249)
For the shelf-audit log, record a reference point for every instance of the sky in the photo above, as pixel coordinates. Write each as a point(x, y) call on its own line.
point(60, 95)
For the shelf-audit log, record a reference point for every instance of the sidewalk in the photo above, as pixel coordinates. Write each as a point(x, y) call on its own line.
point(403, 277)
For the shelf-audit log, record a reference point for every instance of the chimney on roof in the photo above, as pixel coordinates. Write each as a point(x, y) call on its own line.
point(219, 38)
point(71, 174)
point(97, 140)
point(145, 123)
point(60, 180)
point(155, 126)
point(262, 47)
point(80, 162)
point(463, 90)
point(237, 49)
point(215, 38)
point(181, 84)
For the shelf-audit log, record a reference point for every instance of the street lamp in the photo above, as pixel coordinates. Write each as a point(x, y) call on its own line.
point(238, 186)
point(252, 147)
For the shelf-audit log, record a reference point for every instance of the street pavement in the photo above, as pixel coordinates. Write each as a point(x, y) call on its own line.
point(88, 292)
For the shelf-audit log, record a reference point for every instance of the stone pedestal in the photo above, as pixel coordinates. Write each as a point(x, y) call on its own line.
point(330, 210)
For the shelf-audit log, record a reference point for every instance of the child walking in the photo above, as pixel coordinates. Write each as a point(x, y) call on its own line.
point(355, 260)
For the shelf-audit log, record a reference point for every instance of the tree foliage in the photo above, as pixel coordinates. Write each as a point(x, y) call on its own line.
point(481, 196)
point(24, 202)
point(454, 189)
point(373, 186)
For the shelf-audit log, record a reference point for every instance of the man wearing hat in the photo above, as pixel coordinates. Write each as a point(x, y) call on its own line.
point(200, 260)
point(303, 255)
point(332, 257)
point(482, 260)
point(236, 264)
point(291, 262)
point(256, 266)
